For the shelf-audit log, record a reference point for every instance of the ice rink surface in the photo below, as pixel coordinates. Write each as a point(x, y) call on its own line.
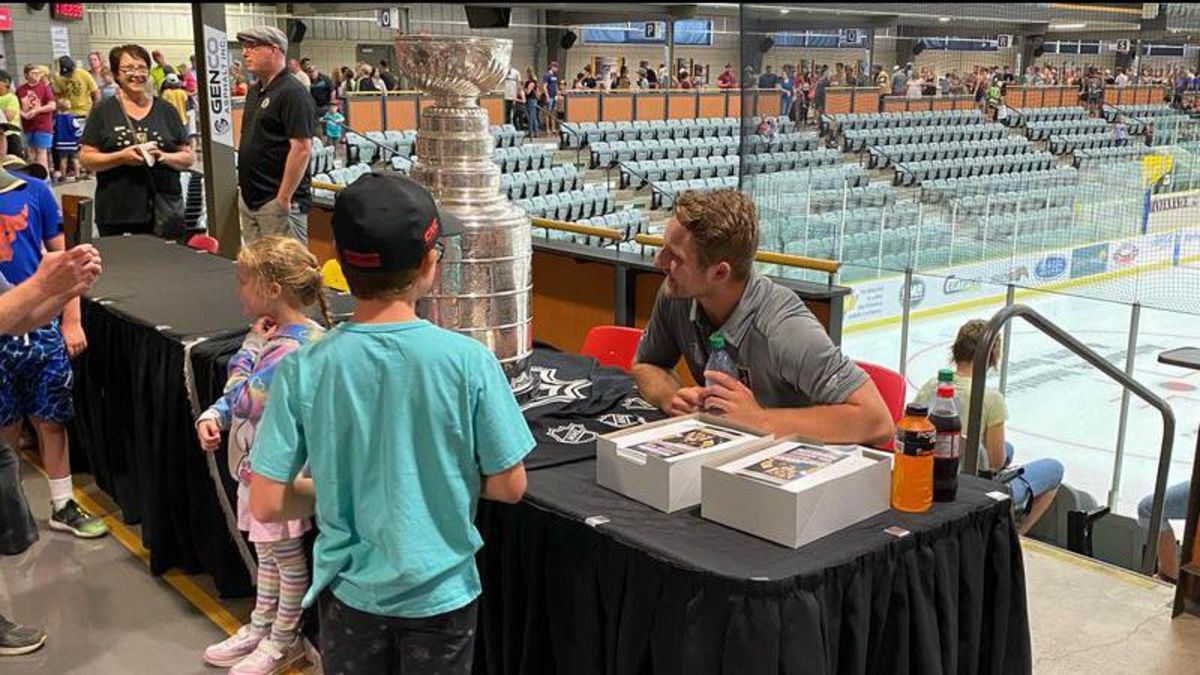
point(1061, 407)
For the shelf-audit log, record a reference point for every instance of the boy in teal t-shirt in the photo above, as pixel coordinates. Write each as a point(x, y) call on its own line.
point(404, 426)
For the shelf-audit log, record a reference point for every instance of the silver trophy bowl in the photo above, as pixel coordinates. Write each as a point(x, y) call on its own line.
point(453, 66)
point(486, 282)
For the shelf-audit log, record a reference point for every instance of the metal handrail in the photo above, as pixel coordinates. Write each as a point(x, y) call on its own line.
point(769, 257)
point(576, 228)
point(970, 453)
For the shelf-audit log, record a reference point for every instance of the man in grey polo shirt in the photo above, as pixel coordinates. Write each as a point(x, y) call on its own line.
point(792, 378)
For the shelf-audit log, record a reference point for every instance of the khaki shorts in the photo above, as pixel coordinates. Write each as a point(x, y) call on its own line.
point(270, 219)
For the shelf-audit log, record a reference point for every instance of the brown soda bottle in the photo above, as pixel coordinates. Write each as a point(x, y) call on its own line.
point(912, 467)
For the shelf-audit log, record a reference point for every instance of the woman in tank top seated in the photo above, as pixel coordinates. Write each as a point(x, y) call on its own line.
point(1033, 491)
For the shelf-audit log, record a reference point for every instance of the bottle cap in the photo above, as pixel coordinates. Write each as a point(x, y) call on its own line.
point(716, 341)
point(916, 410)
point(946, 375)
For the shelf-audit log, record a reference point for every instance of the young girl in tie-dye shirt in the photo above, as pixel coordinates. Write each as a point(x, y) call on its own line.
point(277, 279)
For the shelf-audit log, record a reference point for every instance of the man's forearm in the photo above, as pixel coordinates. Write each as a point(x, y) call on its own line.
point(655, 384)
point(299, 500)
point(840, 423)
point(293, 172)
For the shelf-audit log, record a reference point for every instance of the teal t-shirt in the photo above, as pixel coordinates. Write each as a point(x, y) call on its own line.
point(397, 422)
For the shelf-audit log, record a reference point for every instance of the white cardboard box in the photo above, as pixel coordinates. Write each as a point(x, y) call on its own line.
point(805, 511)
point(665, 484)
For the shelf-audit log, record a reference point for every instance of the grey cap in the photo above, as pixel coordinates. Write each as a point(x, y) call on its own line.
point(264, 35)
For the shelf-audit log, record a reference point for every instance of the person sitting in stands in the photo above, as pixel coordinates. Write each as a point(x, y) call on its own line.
point(792, 378)
point(1033, 491)
point(1175, 503)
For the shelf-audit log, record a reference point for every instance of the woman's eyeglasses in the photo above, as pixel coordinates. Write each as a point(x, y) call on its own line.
point(134, 70)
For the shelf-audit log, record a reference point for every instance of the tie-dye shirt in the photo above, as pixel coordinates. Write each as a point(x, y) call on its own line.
point(250, 372)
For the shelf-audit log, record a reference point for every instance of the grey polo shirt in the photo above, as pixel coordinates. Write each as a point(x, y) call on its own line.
point(783, 353)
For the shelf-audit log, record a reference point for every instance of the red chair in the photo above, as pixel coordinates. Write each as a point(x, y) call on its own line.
point(612, 345)
point(891, 387)
point(203, 242)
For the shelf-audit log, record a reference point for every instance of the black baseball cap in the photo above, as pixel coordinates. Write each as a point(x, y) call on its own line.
point(387, 223)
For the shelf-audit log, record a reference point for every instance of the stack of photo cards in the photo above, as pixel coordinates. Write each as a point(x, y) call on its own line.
point(659, 463)
point(689, 436)
point(789, 462)
point(792, 491)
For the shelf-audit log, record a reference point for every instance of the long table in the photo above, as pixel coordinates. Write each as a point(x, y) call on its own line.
point(564, 591)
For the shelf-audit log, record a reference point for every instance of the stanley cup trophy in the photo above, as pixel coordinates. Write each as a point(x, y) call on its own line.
point(486, 280)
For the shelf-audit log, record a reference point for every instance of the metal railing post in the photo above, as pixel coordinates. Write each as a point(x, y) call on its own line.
point(974, 425)
point(905, 320)
point(1006, 344)
point(1135, 316)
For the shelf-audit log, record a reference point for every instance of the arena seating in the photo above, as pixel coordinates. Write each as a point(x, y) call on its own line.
point(1040, 131)
point(880, 156)
point(540, 182)
point(605, 153)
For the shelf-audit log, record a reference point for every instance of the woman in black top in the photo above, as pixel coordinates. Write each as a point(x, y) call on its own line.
point(123, 133)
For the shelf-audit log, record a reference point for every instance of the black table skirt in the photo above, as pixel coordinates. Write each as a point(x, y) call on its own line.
point(563, 597)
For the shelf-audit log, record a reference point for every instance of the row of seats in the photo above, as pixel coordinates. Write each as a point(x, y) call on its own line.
point(1040, 131)
point(527, 184)
point(604, 154)
point(586, 133)
point(944, 189)
point(1014, 201)
point(813, 202)
point(322, 158)
point(883, 155)
point(842, 123)
point(857, 141)
point(916, 173)
point(592, 200)
point(365, 148)
point(1087, 158)
point(1022, 116)
point(637, 174)
point(523, 158)
point(1006, 224)
point(630, 221)
point(1065, 143)
point(508, 136)
point(772, 162)
point(665, 191)
point(342, 177)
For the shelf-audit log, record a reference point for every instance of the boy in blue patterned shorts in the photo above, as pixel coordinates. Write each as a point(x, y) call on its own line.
point(35, 373)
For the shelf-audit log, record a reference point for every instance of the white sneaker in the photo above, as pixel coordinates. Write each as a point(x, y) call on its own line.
point(269, 658)
point(236, 647)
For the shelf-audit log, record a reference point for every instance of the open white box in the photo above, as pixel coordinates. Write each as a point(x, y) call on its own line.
point(802, 511)
point(665, 484)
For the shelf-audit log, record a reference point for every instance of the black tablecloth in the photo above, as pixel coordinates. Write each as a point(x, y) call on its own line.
point(134, 425)
point(674, 593)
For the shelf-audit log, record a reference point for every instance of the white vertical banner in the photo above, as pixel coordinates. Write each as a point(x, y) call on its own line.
point(216, 79)
point(60, 40)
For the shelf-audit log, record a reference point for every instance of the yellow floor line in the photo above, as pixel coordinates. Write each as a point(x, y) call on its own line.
point(190, 590)
point(1091, 564)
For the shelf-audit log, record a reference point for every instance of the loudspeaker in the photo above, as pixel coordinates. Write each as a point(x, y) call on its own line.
point(568, 39)
point(766, 44)
point(488, 17)
point(35, 6)
point(296, 31)
point(918, 47)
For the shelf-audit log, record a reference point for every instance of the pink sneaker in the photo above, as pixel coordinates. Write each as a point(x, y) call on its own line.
point(235, 648)
point(269, 658)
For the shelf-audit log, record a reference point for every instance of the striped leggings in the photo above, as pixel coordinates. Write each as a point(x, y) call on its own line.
point(282, 582)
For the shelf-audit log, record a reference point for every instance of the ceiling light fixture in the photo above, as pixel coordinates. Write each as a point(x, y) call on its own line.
point(785, 10)
point(944, 19)
point(1067, 26)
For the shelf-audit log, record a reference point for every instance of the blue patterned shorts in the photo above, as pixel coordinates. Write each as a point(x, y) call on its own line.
point(35, 377)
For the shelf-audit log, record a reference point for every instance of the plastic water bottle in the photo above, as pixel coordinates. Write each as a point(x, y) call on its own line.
point(946, 448)
point(719, 359)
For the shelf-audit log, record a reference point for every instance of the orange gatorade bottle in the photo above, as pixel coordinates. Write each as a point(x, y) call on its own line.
point(912, 467)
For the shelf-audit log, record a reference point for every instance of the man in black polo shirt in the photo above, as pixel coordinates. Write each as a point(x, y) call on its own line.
point(277, 130)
